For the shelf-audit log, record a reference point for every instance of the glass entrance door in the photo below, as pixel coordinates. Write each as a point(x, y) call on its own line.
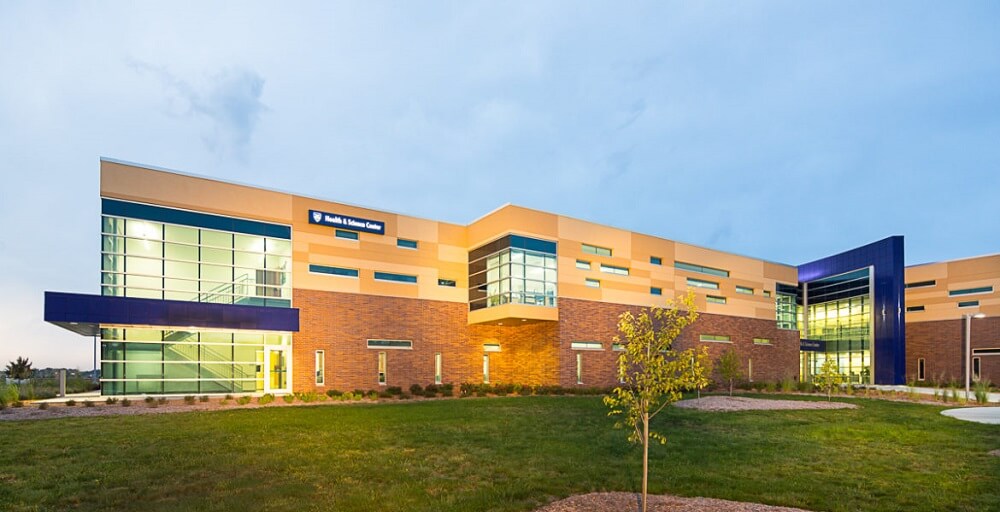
point(277, 370)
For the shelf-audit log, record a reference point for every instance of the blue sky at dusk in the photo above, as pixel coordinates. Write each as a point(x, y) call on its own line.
point(782, 130)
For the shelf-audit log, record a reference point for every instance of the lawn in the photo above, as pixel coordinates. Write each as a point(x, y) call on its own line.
point(501, 454)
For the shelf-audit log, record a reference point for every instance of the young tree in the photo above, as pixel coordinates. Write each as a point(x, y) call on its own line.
point(19, 369)
point(729, 367)
point(828, 377)
point(652, 372)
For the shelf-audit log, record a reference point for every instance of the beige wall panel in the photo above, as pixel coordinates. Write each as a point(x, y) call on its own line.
point(310, 281)
point(576, 232)
point(741, 265)
point(416, 229)
point(512, 219)
point(452, 234)
point(786, 274)
point(454, 254)
point(143, 185)
point(514, 312)
point(925, 272)
point(644, 246)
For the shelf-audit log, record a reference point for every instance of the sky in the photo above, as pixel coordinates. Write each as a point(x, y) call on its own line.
point(787, 131)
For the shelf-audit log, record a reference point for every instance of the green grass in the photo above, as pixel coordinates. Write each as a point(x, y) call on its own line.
point(494, 454)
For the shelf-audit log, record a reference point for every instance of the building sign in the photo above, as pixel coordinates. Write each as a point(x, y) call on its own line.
point(346, 222)
point(812, 345)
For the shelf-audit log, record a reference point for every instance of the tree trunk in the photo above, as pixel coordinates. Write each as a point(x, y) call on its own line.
point(730, 387)
point(645, 458)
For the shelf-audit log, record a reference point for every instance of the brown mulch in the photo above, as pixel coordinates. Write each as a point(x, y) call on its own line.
point(625, 501)
point(739, 403)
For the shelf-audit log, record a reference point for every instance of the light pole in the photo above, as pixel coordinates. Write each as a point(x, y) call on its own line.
point(968, 350)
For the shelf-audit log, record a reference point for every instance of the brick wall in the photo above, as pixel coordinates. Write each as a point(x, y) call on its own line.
point(581, 320)
point(531, 352)
point(941, 344)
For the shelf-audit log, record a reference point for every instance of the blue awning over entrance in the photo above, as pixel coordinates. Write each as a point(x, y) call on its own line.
point(84, 314)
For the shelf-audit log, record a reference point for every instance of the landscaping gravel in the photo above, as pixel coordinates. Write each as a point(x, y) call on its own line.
point(739, 403)
point(623, 501)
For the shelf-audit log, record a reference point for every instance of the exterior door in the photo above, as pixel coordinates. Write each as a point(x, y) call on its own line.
point(277, 370)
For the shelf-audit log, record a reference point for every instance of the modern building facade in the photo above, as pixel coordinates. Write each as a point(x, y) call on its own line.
point(214, 287)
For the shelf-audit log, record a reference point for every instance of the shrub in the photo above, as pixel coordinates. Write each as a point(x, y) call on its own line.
point(163, 400)
point(189, 399)
point(88, 403)
point(243, 400)
point(416, 389)
point(430, 393)
point(228, 397)
point(288, 398)
point(70, 403)
point(447, 389)
point(953, 392)
point(372, 395)
point(803, 386)
point(787, 385)
point(433, 388)
point(770, 386)
point(405, 396)
point(8, 395)
point(385, 394)
point(149, 399)
point(358, 392)
point(334, 392)
point(982, 391)
point(43, 406)
point(394, 390)
point(111, 401)
point(126, 402)
point(203, 398)
point(265, 399)
point(308, 396)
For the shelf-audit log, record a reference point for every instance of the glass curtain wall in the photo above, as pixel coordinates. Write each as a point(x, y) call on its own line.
point(151, 361)
point(839, 313)
point(513, 270)
point(155, 260)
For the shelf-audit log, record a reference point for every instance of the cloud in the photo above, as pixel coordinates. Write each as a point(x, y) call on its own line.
point(229, 100)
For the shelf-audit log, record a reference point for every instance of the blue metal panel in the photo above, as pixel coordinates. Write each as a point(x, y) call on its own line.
point(201, 220)
point(890, 329)
point(85, 313)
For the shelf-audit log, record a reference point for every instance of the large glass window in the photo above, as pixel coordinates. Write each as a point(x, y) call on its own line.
point(513, 270)
point(136, 361)
point(140, 258)
point(839, 314)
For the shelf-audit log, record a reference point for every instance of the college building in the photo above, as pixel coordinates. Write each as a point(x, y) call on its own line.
point(215, 287)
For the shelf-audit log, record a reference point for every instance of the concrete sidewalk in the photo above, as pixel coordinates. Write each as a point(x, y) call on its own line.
point(991, 397)
point(990, 415)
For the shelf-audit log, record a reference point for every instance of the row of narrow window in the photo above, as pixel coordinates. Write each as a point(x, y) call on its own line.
point(379, 276)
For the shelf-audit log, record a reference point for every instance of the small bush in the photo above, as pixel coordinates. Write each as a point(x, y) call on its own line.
point(203, 398)
point(309, 396)
point(770, 386)
point(149, 399)
point(8, 395)
point(126, 402)
point(405, 396)
point(982, 392)
point(111, 401)
point(372, 395)
point(70, 403)
point(288, 398)
point(416, 389)
point(394, 390)
point(228, 397)
point(243, 400)
point(88, 403)
point(189, 399)
point(432, 387)
point(43, 406)
point(524, 390)
point(358, 392)
point(385, 394)
point(804, 386)
point(430, 393)
point(334, 392)
point(787, 385)
point(265, 399)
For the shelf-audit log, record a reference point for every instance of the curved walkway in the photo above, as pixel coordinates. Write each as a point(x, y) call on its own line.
point(989, 415)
